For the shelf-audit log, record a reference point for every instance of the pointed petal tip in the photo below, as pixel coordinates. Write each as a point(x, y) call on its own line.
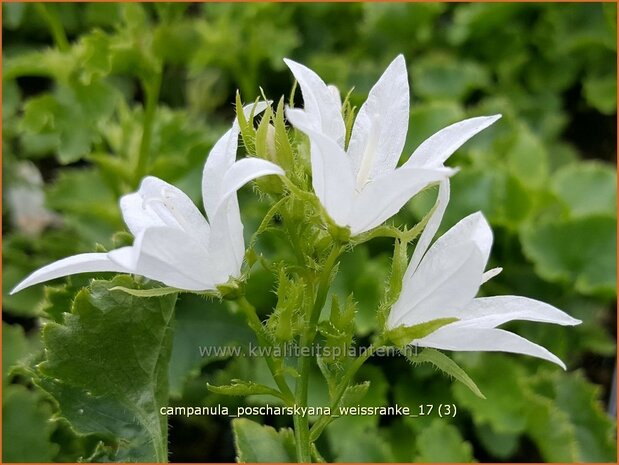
point(17, 288)
point(561, 364)
point(400, 59)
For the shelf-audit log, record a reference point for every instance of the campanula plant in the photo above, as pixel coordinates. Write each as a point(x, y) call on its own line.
point(355, 188)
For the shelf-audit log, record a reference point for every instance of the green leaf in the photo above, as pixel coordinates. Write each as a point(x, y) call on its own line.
point(70, 116)
point(502, 445)
point(587, 188)
point(107, 366)
point(26, 429)
point(365, 445)
point(501, 379)
point(601, 92)
point(14, 349)
point(404, 335)
point(527, 159)
point(257, 443)
point(578, 252)
point(442, 442)
point(594, 429)
point(88, 204)
point(439, 76)
point(447, 366)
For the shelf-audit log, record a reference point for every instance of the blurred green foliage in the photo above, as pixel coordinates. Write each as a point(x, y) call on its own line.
point(96, 95)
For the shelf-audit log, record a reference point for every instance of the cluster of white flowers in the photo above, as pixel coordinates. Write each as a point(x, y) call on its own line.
point(360, 187)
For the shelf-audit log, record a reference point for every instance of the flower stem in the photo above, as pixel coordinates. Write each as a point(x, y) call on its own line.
point(151, 90)
point(55, 27)
point(301, 424)
point(256, 325)
point(324, 420)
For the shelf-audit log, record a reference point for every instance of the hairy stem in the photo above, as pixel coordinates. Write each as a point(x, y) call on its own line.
point(301, 424)
point(256, 325)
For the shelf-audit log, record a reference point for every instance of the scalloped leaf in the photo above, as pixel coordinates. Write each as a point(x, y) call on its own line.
point(107, 368)
point(257, 443)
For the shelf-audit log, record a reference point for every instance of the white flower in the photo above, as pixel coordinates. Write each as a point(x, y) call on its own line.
point(174, 243)
point(441, 282)
point(360, 187)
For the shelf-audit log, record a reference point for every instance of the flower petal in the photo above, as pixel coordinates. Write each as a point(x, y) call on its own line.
point(168, 203)
point(385, 196)
point(451, 337)
point(383, 118)
point(219, 160)
point(435, 150)
point(446, 280)
point(168, 255)
point(82, 263)
point(474, 228)
point(137, 214)
point(332, 177)
point(488, 275)
point(227, 246)
point(245, 170)
point(430, 230)
point(221, 157)
point(490, 312)
point(448, 276)
point(319, 102)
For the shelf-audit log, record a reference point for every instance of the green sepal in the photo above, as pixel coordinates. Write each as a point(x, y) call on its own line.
point(231, 290)
point(354, 394)
point(447, 366)
point(404, 335)
point(239, 387)
point(155, 292)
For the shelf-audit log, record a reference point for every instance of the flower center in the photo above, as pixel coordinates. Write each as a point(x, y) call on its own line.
point(369, 154)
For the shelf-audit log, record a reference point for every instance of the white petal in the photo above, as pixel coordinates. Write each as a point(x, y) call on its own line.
point(332, 177)
point(384, 113)
point(430, 230)
point(245, 170)
point(474, 228)
point(384, 197)
point(218, 162)
point(82, 263)
point(137, 214)
point(299, 119)
point(488, 275)
point(490, 312)
point(167, 255)
point(435, 150)
point(322, 107)
point(221, 157)
point(336, 94)
point(227, 245)
point(448, 276)
point(485, 339)
point(170, 204)
point(446, 280)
